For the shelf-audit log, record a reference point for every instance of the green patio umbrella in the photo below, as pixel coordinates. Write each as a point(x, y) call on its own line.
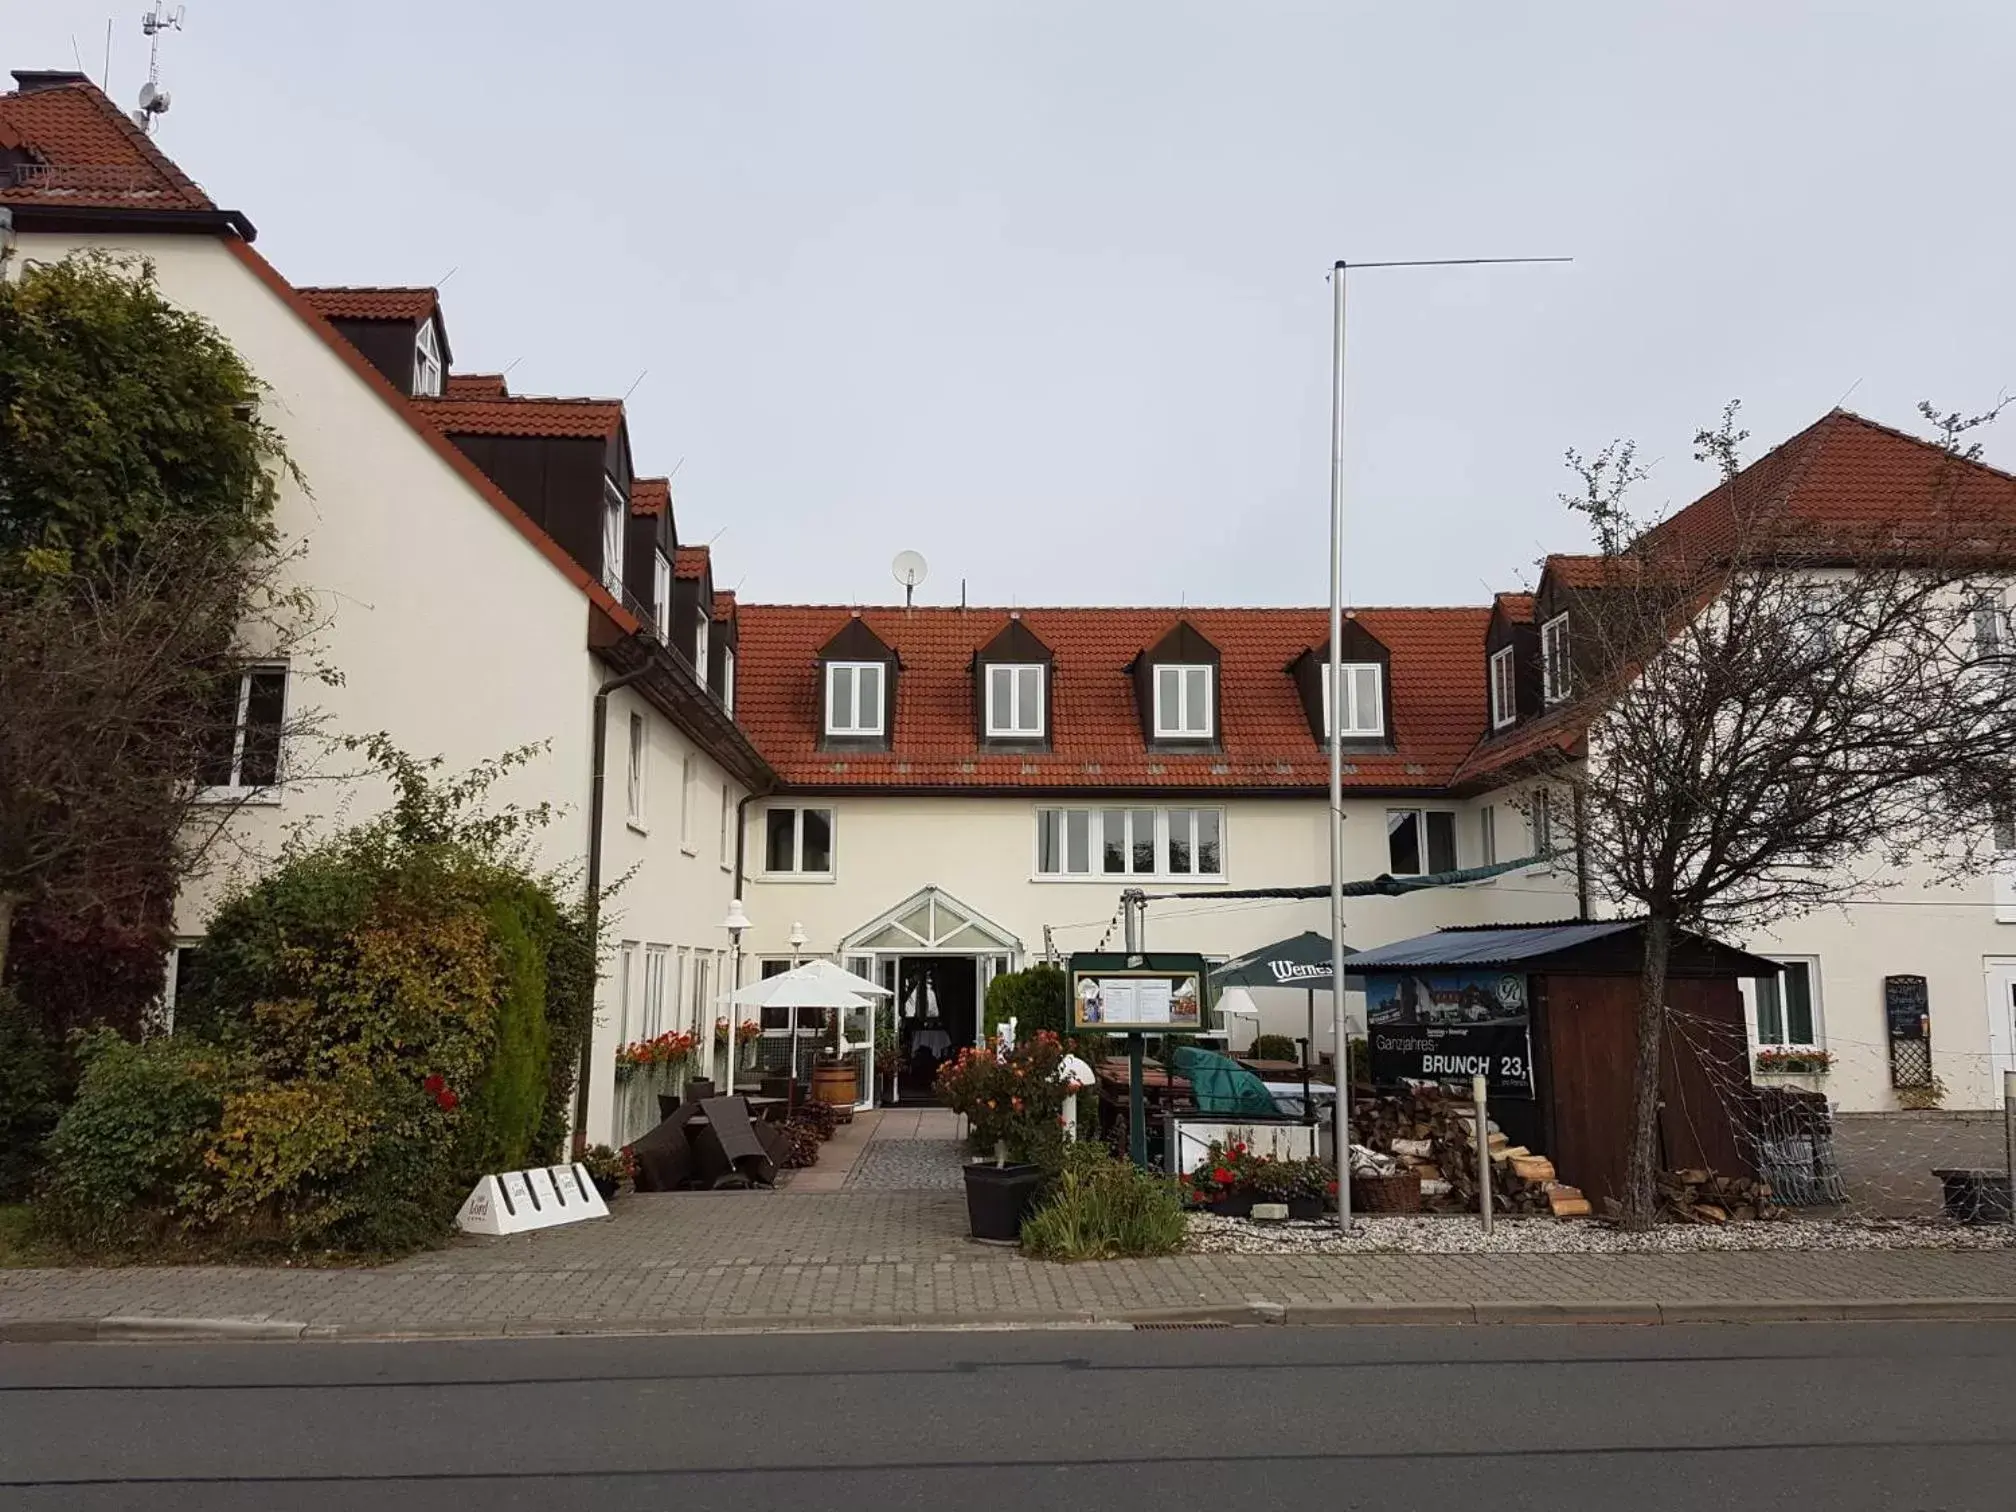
point(1301, 960)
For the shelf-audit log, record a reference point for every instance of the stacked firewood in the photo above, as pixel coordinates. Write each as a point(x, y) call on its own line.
point(1435, 1134)
point(1696, 1196)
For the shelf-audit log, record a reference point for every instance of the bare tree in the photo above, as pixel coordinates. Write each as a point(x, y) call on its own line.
point(1783, 706)
point(122, 690)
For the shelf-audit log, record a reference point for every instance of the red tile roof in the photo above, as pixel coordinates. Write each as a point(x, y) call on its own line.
point(691, 562)
point(86, 154)
point(524, 415)
point(1516, 607)
point(477, 386)
point(650, 496)
point(1437, 698)
point(1843, 476)
point(372, 304)
point(724, 604)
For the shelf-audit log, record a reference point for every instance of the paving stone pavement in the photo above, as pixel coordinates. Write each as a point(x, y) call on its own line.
point(911, 1165)
point(715, 1259)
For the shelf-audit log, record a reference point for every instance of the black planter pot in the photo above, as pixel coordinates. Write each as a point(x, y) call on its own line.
point(608, 1186)
point(1304, 1209)
point(1238, 1205)
point(998, 1198)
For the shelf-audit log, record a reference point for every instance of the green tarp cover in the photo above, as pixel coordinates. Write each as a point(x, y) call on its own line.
point(1219, 1084)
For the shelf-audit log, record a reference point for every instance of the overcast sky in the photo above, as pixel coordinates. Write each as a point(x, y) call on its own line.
point(1040, 289)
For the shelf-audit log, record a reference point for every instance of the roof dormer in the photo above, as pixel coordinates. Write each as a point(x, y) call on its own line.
point(399, 331)
point(1011, 690)
point(1176, 690)
point(1511, 661)
point(857, 690)
point(1367, 668)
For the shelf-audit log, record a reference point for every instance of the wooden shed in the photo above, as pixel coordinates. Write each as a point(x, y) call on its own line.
point(1568, 995)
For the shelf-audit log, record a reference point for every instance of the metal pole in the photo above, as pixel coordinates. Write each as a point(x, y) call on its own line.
point(1342, 1107)
point(1482, 1134)
point(734, 1024)
point(2009, 1134)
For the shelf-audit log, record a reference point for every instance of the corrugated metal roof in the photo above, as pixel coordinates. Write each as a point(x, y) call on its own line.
point(1486, 947)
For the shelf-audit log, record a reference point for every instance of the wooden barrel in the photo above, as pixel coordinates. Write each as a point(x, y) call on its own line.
point(835, 1086)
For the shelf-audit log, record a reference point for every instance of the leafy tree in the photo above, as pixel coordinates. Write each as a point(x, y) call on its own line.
point(1782, 712)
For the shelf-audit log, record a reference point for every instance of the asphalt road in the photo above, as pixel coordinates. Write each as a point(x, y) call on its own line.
point(1842, 1416)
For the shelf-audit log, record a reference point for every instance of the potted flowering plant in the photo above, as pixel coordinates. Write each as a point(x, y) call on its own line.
point(1013, 1103)
point(669, 1051)
point(1789, 1060)
point(609, 1169)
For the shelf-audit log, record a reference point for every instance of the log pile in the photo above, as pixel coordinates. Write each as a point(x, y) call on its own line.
point(1435, 1133)
point(1696, 1196)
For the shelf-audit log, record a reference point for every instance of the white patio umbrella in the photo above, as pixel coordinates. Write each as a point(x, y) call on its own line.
point(816, 984)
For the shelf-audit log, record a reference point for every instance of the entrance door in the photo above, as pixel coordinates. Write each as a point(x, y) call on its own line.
point(2001, 973)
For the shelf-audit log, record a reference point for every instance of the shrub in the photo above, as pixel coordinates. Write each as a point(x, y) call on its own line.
point(509, 1102)
point(1038, 999)
point(1274, 1047)
point(1015, 1100)
point(1103, 1208)
point(128, 1150)
point(31, 1095)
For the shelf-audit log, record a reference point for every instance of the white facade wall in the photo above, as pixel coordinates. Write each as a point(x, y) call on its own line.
point(453, 633)
point(982, 852)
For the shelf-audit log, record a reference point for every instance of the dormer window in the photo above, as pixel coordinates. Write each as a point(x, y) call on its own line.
point(854, 698)
point(615, 516)
point(1183, 702)
point(1504, 689)
point(1554, 669)
point(429, 372)
point(1364, 705)
point(702, 622)
point(661, 593)
point(1014, 702)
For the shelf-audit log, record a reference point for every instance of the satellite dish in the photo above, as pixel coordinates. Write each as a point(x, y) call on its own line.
point(909, 569)
point(154, 100)
point(140, 118)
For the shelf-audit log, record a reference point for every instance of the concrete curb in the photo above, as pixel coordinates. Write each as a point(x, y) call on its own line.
point(1246, 1314)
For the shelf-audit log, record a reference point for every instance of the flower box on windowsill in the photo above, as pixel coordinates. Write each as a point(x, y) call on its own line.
point(1793, 1062)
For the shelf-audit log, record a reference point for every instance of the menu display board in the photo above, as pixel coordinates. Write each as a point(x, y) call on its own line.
point(1159, 994)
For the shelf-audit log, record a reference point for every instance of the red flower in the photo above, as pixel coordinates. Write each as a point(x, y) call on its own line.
point(435, 1083)
point(446, 1099)
point(1331, 1188)
point(1222, 1176)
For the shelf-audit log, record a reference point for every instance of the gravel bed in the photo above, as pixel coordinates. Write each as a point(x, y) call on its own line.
point(1211, 1234)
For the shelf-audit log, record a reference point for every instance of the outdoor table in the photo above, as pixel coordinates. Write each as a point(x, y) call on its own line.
point(1159, 1091)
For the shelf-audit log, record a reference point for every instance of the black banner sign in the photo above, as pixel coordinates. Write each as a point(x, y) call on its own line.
point(1450, 1025)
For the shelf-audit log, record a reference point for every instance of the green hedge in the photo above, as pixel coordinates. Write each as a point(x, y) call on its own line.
point(1038, 998)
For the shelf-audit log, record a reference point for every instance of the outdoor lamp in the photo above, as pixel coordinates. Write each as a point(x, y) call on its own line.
point(797, 940)
point(736, 922)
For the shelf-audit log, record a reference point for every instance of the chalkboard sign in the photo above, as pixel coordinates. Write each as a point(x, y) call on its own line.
point(1906, 1009)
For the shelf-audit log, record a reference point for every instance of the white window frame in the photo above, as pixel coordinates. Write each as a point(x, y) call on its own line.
point(1008, 723)
point(1095, 843)
point(727, 824)
point(1487, 836)
point(1555, 672)
point(1421, 813)
point(703, 622)
point(626, 966)
point(430, 373)
point(1752, 1003)
point(688, 781)
point(854, 671)
point(1540, 824)
point(236, 791)
point(1504, 680)
point(728, 678)
point(661, 593)
point(1175, 724)
point(638, 748)
point(656, 959)
point(163, 1016)
point(1356, 726)
point(797, 873)
point(615, 523)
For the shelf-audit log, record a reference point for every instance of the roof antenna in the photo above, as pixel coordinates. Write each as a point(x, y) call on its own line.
point(154, 100)
point(633, 384)
point(909, 569)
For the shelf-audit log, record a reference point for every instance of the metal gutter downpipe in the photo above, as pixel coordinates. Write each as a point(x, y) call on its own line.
point(596, 785)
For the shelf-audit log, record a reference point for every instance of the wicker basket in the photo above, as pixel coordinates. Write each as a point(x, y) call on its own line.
point(1398, 1193)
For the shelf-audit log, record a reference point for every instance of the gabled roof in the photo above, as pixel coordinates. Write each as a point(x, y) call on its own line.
point(476, 386)
point(85, 153)
point(525, 415)
point(1096, 740)
point(1841, 476)
point(1516, 607)
point(650, 496)
point(336, 303)
point(692, 563)
point(1580, 570)
point(724, 604)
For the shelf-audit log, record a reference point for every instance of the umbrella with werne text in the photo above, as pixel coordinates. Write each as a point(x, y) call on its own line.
point(1301, 960)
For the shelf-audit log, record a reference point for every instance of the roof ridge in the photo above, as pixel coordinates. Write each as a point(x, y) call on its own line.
point(1838, 412)
point(973, 609)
